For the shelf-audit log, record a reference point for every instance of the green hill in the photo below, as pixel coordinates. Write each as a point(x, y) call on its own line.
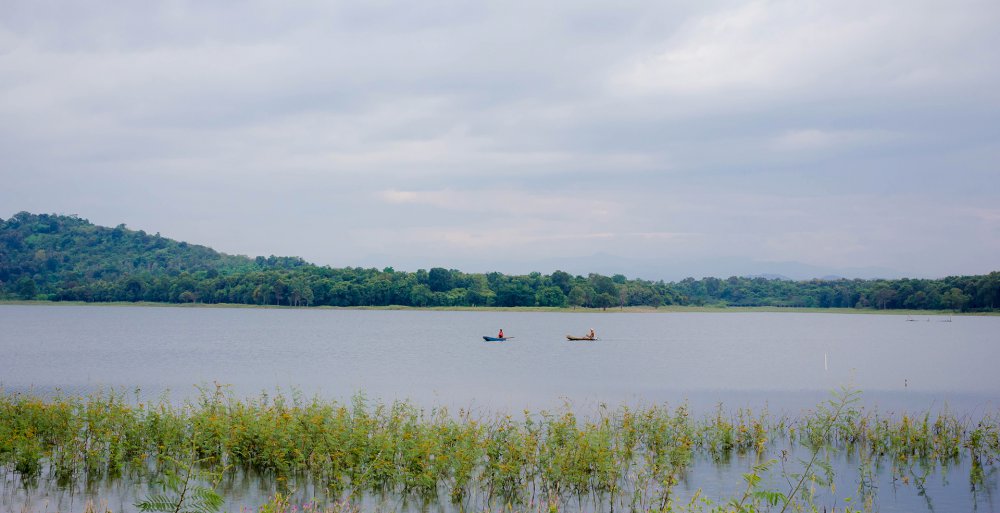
point(65, 258)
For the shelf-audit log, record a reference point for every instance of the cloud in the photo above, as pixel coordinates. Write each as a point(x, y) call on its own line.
point(783, 47)
point(816, 140)
point(501, 239)
point(513, 203)
point(756, 129)
point(987, 215)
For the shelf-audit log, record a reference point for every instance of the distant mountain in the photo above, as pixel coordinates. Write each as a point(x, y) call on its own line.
point(769, 276)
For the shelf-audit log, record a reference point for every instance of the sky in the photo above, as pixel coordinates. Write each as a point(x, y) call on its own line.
point(655, 139)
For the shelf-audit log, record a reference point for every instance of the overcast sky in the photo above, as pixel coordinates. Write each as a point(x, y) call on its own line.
point(670, 138)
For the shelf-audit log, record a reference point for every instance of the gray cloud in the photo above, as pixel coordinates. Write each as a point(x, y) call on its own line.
point(845, 134)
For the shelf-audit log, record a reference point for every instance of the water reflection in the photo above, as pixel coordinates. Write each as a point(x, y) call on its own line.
point(960, 485)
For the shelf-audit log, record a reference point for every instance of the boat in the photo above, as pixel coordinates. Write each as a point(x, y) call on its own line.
point(571, 337)
point(495, 339)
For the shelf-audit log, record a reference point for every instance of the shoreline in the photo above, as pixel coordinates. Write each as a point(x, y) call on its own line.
point(613, 310)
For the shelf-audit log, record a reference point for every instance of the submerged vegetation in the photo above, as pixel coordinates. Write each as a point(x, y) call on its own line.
point(625, 458)
point(65, 258)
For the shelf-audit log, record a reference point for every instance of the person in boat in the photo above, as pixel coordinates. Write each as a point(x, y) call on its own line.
point(591, 334)
point(500, 335)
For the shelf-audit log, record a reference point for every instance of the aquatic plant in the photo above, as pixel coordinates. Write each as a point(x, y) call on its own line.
point(623, 457)
point(181, 492)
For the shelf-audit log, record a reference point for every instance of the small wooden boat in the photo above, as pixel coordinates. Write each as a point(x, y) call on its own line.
point(495, 339)
point(571, 337)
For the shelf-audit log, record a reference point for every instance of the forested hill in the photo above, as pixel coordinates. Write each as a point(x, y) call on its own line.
point(65, 258)
point(68, 258)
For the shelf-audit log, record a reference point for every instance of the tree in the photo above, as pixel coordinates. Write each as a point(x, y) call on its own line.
point(478, 292)
point(562, 280)
point(639, 295)
point(278, 288)
point(454, 297)
point(955, 299)
point(299, 292)
point(603, 285)
point(883, 296)
point(342, 294)
point(916, 301)
point(133, 288)
point(578, 297)
point(26, 288)
point(713, 286)
point(421, 295)
point(550, 296)
point(516, 292)
point(439, 279)
point(604, 300)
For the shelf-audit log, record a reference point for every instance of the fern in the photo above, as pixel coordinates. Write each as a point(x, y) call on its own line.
point(159, 502)
point(179, 496)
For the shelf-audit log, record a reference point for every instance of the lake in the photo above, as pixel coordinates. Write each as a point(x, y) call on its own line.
point(786, 362)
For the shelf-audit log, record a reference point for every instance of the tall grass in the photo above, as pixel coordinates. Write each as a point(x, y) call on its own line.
point(618, 458)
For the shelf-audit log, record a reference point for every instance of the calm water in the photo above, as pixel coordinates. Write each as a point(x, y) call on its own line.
point(786, 361)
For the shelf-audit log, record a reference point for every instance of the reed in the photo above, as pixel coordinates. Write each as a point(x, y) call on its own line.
point(616, 458)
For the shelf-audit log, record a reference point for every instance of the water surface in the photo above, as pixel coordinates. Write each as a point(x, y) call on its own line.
point(785, 362)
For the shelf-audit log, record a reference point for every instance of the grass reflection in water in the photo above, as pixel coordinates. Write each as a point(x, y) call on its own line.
point(616, 459)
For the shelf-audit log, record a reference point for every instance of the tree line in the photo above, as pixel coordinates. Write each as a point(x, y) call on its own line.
point(66, 258)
